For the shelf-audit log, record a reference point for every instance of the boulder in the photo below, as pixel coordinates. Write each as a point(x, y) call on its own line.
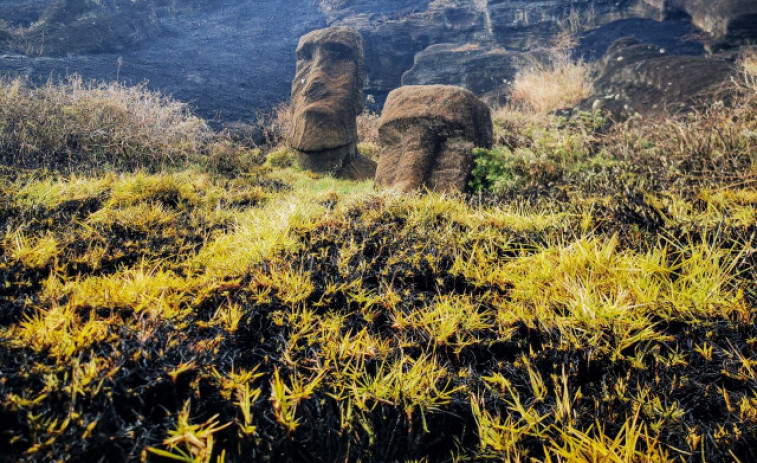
point(640, 78)
point(427, 135)
point(485, 70)
point(729, 22)
point(327, 97)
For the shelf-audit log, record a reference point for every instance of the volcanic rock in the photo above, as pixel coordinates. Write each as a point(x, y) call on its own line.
point(640, 78)
point(427, 136)
point(487, 71)
point(94, 26)
point(234, 58)
point(731, 22)
point(395, 38)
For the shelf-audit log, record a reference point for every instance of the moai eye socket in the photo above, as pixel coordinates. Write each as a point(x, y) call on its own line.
point(306, 52)
point(339, 51)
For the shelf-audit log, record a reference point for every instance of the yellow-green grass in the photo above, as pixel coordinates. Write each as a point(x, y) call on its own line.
point(593, 301)
point(328, 317)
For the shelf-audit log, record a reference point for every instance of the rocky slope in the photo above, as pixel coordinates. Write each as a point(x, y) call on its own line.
point(727, 21)
point(231, 57)
point(633, 77)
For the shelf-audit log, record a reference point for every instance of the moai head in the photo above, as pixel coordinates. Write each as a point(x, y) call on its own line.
point(327, 96)
point(427, 135)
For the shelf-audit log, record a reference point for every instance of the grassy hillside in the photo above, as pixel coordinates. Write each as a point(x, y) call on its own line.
point(592, 299)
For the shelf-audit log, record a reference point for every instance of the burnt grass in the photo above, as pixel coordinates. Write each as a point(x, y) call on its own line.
point(133, 404)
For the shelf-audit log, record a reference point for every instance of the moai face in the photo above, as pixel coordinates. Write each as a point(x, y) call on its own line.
point(327, 96)
point(428, 134)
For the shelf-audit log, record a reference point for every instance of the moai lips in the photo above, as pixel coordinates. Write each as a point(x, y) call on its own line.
point(427, 137)
point(327, 97)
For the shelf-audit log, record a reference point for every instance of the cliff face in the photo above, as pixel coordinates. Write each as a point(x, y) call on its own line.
point(479, 44)
point(727, 21)
point(229, 58)
point(233, 56)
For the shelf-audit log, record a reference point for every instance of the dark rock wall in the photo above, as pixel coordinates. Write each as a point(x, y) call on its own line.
point(228, 58)
point(231, 57)
point(726, 20)
point(635, 77)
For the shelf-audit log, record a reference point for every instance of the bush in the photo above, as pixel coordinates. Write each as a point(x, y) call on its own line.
point(540, 149)
point(584, 153)
point(492, 167)
point(748, 65)
point(281, 158)
point(368, 128)
point(276, 125)
point(228, 158)
point(73, 125)
point(558, 83)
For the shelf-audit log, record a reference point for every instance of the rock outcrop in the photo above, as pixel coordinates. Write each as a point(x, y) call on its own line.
point(634, 77)
point(427, 137)
point(93, 26)
point(486, 71)
point(233, 57)
point(397, 42)
point(327, 97)
point(729, 22)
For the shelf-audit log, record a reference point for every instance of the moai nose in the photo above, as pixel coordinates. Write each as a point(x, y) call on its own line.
point(319, 59)
point(315, 87)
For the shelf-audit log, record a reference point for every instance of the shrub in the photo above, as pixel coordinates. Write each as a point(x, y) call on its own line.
point(228, 158)
point(748, 66)
point(501, 170)
point(558, 82)
point(704, 147)
point(276, 125)
point(492, 167)
point(535, 148)
point(715, 143)
point(281, 158)
point(74, 125)
point(370, 150)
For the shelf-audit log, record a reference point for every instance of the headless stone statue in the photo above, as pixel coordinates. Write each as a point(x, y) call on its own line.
point(427, 134)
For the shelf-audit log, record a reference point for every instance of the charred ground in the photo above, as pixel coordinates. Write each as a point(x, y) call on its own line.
point(596, 297)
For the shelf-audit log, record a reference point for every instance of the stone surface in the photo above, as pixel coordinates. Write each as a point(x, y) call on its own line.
point(232, 58)
point(634, 77)
point(728, 21)
point(427, 136)
point(327, 97)
point(486, 71)
point(93, 26)
point(673, 34)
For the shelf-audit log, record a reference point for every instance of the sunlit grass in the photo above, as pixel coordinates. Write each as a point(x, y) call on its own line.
point(598, 307)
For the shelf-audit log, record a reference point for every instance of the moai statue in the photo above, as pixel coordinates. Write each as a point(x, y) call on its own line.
point(427, 135)
point(327, 97)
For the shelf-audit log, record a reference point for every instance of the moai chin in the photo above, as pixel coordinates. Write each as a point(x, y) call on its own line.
point(327, 97)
